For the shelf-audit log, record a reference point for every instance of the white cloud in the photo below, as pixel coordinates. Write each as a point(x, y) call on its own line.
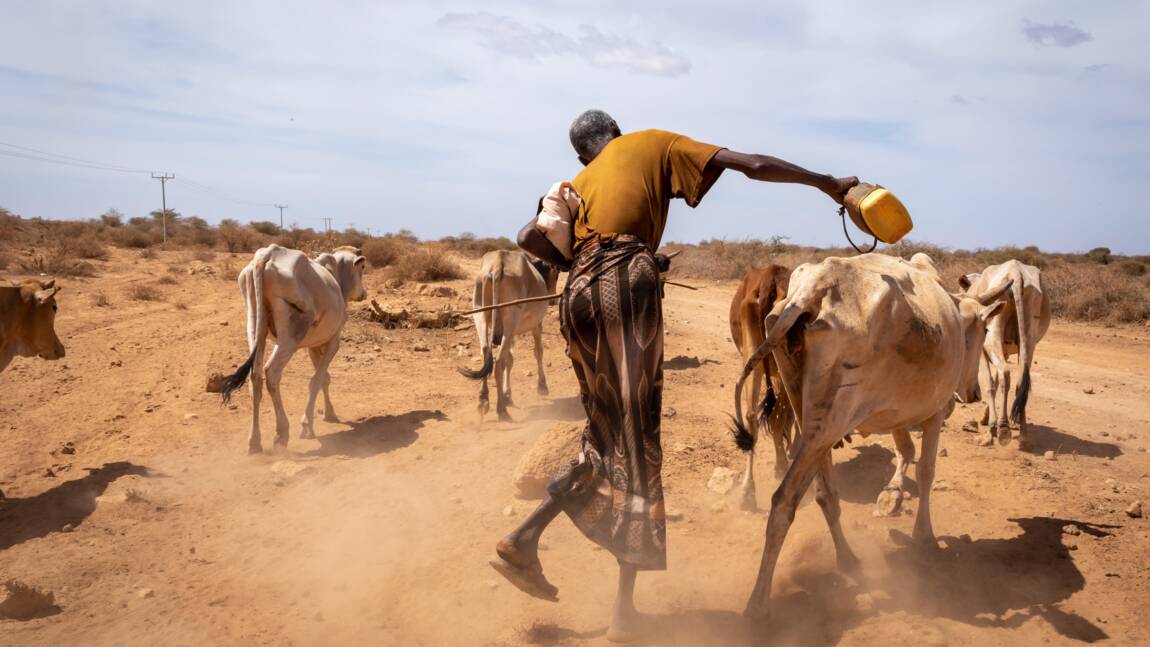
point(1055, 34)
point(508, 36)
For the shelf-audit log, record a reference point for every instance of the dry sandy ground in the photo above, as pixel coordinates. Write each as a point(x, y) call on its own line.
point(160, 530)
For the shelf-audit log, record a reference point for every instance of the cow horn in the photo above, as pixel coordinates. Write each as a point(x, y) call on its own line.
point(990, 296)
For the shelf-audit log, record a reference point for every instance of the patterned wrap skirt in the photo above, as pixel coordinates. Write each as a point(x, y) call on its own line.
point(611, 316)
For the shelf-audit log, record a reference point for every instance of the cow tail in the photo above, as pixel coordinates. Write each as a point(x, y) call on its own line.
point(485, 286)
point(257, 329)
point(777, 334)
point(1022, 392)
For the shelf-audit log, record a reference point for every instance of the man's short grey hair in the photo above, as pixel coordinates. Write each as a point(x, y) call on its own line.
point(591, 131)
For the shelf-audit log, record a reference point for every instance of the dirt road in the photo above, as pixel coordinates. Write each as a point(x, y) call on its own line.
point(131, 497)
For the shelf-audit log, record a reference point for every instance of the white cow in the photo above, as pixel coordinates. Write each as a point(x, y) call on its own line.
point(506, 276)
point(1016, 330)
point(874, 344)
point(303, 304)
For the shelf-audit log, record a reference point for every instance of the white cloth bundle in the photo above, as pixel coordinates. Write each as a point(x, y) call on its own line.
point(556, 221)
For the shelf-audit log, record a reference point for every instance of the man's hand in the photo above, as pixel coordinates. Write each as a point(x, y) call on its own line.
point(837, 187)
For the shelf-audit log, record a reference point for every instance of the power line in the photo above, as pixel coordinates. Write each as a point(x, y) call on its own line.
point(66, 158)
point(163, 178)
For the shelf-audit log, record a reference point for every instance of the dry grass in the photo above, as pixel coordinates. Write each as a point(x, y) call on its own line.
point(426, 264)
point(180, 305)
point(6, 259)
point(229, 271)
point(385, 251)
point(58, 260)
point(100, 300)
point(204, 255)
point(144, 292)
point(468, 244)
point(167, 279)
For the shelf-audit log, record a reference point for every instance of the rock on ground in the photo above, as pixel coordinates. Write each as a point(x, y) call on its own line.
point(551, 451)
point(1135, 510)
point(722, 480)
point(19, 601)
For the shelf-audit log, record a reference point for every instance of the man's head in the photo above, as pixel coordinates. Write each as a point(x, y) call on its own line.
point(590, 132)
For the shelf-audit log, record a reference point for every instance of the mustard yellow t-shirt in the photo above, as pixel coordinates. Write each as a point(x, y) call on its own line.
point(628, 187)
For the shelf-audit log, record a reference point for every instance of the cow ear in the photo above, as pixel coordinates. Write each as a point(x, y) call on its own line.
point(47, 285)
point(360, 261)
point(964, 282)
point(42, 296)
point(990, 310)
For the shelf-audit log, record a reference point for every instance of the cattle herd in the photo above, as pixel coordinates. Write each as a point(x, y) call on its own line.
point(863, 345)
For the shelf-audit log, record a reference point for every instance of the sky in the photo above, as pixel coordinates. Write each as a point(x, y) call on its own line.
point(1007, 123)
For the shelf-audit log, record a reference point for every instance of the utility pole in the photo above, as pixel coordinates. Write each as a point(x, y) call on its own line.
point(281, 207)
point(327, 224)
point(163, 178)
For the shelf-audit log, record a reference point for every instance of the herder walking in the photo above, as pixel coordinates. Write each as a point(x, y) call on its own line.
point(611, 316)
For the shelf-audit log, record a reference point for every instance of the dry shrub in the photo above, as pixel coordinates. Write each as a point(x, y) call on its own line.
point(5, 259)
point(148, 254)
point(167, 279)
point(228, 272)
point(469, 244)
point(1132, 268)
point(58, 260)
point(426, 264)
point(144, 292)
point(237, 238)
point(181, 305)
point(100, 300)
point(134, 237)
point(204, 255)
point(382, 252)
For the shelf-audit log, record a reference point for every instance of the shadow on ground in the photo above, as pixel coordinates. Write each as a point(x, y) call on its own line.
point(683, 362)
point(375, 435)
point(861, 477)
point(67, 504)
point(1041, 438)
point(566, 409)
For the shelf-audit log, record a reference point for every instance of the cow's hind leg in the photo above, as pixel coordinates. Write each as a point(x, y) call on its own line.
point(752, 390)
point(989, 374)
point(828, 499)
point(256, 388)
point(1003, 427)
point(321, 357)
point(281, 354)
point(890, 500)
point(924, 473)
point(537, 337)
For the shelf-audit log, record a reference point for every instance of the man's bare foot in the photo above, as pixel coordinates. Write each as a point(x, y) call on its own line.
point(625, 626)
point(521, 567)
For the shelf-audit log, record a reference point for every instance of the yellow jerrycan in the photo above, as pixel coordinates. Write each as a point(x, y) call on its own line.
point(878, 212)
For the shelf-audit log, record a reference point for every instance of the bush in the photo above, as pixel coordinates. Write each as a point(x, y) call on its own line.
point(5, 259)
point(469, 244)
point(426, 264)
point(112, 218)
point(58, 260)
point(134, 237)
point(144, 292)
point(382, 252)
point(237, 238)
point(1132, 268)
point(1100, 255)
point(266, 228)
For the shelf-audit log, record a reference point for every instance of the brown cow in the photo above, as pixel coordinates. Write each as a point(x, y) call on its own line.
point(27, 321)
point(757, 294)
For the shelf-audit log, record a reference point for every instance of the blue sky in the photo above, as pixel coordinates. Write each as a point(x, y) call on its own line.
point(997, 123)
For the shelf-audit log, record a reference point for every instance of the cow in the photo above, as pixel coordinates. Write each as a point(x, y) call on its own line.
point(506, 276)
point(302, 303)
point(758, 292)
point(874, 344)
point(27, 321)
point(1016, 330)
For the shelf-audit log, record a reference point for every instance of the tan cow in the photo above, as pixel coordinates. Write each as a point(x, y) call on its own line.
point(302, 303)
point(874, 344)
point(754, 298)
point(27, 321)
point(506, 276)
point(1016, 330)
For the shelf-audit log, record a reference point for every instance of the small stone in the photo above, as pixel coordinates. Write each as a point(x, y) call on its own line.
point(1088, 390)
point(492, 584)
point(1071, 529)
point(116, 362)
point(223, 323)
point(719, 506)
point(940, 486)
point(68, 448)
point(1135, 510)
point(673, 514)
point(942, 453)
point(864, 603)
point(508, 510)
point(146, 593)
point(722, 480)
point(1104, 434)
point(669, 412)
point(421, 349)
point(377, 349)
point(188, 417)
point(970, 426)
point(67, 528)
point(1049, 455)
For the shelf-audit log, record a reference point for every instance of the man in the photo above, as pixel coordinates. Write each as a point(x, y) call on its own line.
point(611, 315)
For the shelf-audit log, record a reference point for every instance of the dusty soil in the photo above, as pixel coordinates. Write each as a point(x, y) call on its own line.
point(153, 526)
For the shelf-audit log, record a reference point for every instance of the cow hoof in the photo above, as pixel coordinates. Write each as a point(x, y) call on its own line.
point(986, 441)
point(748, 502)
point(306, 434)
point(757, 612)
point(889, 502)
point(505, 417)
point(255, 448)
point(1004, 436)
point(543, 390)
point(330, 417)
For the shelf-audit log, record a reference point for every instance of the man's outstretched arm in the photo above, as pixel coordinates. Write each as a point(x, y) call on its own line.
point(772, 169)
point(536, 244)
